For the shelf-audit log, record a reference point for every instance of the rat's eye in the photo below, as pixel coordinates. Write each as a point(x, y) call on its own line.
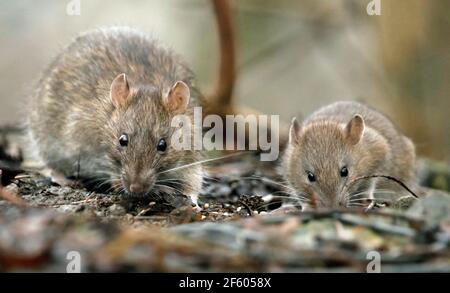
point(123, 140)
point(162, 146)
point(311, 177)
point(344, 172)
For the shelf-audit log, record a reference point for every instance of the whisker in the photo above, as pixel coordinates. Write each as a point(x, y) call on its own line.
point(385, 191)
point(356, 205)
point(170, 187)
point(270, 203)
point(291, 198)
point(201, 162)
point(268, 180)
point(173, 181)
point(371, 199)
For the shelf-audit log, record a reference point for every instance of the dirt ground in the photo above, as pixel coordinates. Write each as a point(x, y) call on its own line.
point(240, 228)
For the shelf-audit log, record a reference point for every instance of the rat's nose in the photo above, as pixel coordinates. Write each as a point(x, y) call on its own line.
point(138, 183)
point(136, 188)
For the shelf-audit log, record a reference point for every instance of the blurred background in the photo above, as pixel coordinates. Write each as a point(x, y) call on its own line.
point(294, 56)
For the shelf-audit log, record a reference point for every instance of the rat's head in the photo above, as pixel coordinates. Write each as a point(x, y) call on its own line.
point(324, 156)
point(140, 133)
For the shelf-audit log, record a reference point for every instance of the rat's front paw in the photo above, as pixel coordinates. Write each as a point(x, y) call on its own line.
point(194, 204)
point(196, 208)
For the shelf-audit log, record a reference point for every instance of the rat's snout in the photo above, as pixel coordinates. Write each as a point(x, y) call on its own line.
point(137, 188)
point(331, 201)
point(138, 183)
point(337, 202)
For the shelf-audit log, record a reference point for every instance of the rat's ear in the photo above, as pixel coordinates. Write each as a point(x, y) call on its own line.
point(177, 98)
point(119, 90)
point(355, 129)
point(294, 131)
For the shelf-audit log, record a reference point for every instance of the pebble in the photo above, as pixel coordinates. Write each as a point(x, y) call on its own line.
point(116, 210)
point(69, 208)
point(12, 188)
point(267, 198)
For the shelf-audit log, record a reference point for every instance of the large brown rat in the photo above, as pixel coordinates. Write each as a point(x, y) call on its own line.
point(338, 144)
point(102, 110)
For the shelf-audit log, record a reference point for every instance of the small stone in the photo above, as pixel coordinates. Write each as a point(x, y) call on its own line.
point(434, 208)
point(99, 213)
point(267, 198)
point(129, 217)
point(66, 191)
point(223, 190)
point(68, 208)
point(80, 208)
point(404, 202)
point(13, 188)
point(53, 190)
point(116, 210)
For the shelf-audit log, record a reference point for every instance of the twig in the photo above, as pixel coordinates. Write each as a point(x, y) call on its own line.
point(89, 198)
point(249, 210)
point(155, 218)
point(144, 211)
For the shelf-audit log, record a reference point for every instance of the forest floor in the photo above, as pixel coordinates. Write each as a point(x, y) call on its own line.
point(240, 228)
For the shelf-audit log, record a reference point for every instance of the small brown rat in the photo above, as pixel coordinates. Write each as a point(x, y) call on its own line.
point(339, 143)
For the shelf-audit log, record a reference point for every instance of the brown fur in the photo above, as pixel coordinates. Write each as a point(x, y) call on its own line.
point(323, 145)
